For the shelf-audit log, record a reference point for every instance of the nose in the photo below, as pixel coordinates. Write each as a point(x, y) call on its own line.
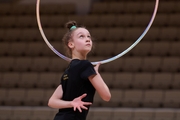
point(88, 39)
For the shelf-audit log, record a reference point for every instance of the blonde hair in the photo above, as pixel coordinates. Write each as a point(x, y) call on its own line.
point(71, 26)
point(68, 35)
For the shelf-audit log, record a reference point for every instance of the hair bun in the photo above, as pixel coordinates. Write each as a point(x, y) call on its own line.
point(70, 24)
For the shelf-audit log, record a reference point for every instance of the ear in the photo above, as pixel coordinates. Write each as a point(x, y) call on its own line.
point(71, 44)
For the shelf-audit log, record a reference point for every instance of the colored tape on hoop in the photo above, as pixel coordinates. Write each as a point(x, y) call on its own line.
point(102, 61)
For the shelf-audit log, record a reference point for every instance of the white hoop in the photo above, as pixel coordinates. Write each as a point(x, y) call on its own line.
point(102, 61)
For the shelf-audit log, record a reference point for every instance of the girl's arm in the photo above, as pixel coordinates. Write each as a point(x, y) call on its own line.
point(100, 85)
point(56, 101)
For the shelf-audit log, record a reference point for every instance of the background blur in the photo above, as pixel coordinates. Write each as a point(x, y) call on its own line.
point(145, 83)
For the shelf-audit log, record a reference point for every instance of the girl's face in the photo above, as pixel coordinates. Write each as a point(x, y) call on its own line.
point(81, 41)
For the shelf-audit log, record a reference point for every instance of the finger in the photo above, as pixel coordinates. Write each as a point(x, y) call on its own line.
point(98, 64)
point(74, 108)
point(79, 109)
point(87, 103)
point(83, 96)
point(83, 107)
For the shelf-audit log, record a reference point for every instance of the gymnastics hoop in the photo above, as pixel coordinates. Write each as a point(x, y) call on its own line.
point(102, 61)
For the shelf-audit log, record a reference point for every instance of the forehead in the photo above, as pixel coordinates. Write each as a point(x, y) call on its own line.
point(81, 30)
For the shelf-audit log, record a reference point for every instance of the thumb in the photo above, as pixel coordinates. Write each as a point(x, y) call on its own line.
point(83, 96)
point(97, 66)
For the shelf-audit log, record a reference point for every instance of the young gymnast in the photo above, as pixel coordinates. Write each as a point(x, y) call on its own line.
point(74, 96)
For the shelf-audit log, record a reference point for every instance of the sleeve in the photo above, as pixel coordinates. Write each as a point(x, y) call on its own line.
point(87, 70)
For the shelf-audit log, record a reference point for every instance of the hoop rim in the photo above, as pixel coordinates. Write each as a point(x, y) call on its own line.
point(102, 61)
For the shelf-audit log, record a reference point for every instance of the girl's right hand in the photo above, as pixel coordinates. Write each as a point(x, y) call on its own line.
point(77, 103)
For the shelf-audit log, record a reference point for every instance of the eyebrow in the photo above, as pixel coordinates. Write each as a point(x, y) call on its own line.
point(79, 33)
point(82, 33)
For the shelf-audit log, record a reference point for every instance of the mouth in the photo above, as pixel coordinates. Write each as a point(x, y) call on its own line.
point(88, 44)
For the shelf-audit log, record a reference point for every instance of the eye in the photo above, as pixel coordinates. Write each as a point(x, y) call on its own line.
point(81, 36)
point(89, 36)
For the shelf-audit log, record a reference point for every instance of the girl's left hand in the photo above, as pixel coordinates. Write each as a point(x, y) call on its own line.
point(97, 67)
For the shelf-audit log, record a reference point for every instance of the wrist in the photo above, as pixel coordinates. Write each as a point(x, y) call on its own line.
point(70, 104)
point(97, 72)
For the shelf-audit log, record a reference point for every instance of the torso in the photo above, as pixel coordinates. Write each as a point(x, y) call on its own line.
point(74, 83)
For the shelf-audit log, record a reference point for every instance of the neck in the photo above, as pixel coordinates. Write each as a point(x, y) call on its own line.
point(79, 56)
